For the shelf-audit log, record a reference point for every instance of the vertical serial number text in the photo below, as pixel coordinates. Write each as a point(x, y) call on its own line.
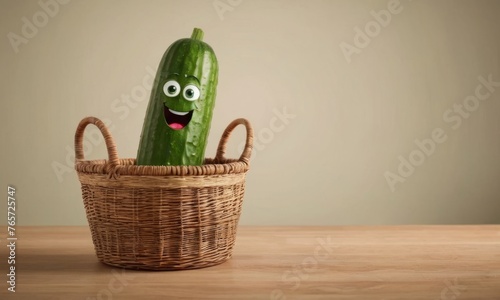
point(11, 238)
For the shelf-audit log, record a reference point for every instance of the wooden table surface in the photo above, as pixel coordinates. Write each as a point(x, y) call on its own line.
point(353, 262)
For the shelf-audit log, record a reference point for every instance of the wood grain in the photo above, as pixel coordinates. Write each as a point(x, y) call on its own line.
point(355, 262)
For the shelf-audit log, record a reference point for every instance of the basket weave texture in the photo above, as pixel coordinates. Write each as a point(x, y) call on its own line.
point(162, 217)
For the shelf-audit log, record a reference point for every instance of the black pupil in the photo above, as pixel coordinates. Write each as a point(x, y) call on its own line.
point(172, 89)
point(190, 93)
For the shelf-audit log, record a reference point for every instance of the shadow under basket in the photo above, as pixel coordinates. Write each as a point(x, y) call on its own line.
point(162, 217)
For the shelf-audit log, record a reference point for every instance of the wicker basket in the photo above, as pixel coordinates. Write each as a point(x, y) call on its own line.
point(162, 217)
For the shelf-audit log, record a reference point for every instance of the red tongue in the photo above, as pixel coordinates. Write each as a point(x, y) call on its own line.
point(176, 126)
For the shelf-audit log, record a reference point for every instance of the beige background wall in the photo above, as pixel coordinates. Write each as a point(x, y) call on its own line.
point(357, 93)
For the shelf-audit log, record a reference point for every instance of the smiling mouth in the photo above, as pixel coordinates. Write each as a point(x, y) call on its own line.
point(177, 119)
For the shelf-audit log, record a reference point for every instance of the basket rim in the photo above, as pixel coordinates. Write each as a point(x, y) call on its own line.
point(127, 166)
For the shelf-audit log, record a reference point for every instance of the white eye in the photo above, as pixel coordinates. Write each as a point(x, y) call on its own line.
point(191, 92)
point(172, 88)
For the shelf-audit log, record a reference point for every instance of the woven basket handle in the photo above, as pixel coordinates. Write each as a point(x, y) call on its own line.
point(110, 143)
point(247, 151)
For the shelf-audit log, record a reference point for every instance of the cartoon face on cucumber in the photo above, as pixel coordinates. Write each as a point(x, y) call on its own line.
point(180, 109)
point(182, 93)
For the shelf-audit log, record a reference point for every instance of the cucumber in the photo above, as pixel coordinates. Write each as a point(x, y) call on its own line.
point(179, 113)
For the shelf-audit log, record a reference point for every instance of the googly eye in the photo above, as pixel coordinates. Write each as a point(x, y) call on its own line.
point(191, 92)
point(172, 88)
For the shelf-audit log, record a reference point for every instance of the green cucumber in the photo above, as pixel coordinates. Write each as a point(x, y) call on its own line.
point(180, 108)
